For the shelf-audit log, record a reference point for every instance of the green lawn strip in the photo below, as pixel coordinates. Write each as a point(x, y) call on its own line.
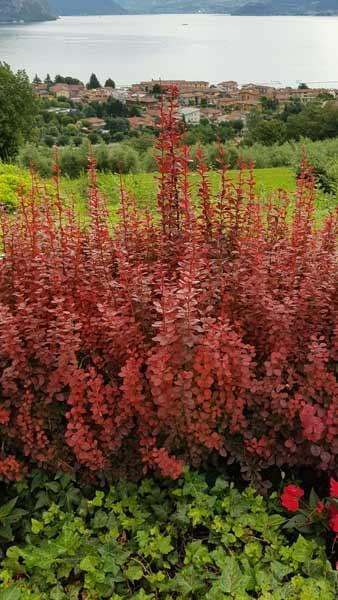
point(144, 185)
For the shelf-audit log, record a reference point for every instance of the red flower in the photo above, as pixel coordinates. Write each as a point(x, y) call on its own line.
point(291, 496)
point(320, 507)
point(333, 521)
point(334, 524)
point(333, 488)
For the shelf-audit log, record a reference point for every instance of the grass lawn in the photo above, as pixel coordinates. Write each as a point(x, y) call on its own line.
point(143, 186)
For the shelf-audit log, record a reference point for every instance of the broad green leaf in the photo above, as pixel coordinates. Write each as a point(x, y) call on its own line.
point(54, 486)
point(298, 522)
point(6, 533)
point(36, 526)
point(89, 564)
point(314, 499)
point(302, 550)
point(100, 520)
point(280, 570)
point(230, 580)
point(16, 515)
point(134, 572)
point(10, 594)
point(57, 593)
point(164, 545)
point(7, 508)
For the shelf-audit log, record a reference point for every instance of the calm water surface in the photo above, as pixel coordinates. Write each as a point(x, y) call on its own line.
point(210, 47)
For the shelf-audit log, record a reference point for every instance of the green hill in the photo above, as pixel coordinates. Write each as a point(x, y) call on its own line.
point(26, 10)
point(180, 6)
point(289, 7)
point(88, 7)
point(234, 7)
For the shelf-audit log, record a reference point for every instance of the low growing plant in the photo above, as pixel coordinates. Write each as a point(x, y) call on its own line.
point(317, 513)
point(177, 540)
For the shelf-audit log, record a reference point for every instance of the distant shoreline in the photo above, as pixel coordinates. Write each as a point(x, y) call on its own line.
point(216, 14)
point(159, 14)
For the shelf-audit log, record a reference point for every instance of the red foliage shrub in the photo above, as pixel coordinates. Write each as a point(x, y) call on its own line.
point(203, 329)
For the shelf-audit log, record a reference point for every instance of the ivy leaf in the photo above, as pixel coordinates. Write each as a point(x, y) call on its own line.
point(164, 545)
point(187, 581)
point(279, 570)
point(42, 500)
point(53, 486)
point(11, 594)
point(231, 577)
point(6, 533)
point(134, 573)
point(100, 520)
point(302, 550)
point(298, 522)
point(36, 526)
point(89, 564)
point(43, 557)
point(57, 594)
point(313, 500)
point(220, 485)
point(6, 509)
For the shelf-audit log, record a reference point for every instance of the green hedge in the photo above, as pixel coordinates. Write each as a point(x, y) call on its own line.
point(12, 179)
point(133, 156)
point(182, 540)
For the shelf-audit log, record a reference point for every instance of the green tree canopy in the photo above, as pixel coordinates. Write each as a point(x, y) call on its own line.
point(265, 131)
point(18, 109)
point(110, 83)
point(48, 81)
point(269, 104)
point(69, 80)
point(93, 82)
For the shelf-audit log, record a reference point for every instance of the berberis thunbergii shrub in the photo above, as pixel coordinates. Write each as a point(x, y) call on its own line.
point(199, 332)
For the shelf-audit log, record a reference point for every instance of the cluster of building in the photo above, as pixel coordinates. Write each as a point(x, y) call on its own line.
point(226, 101)
point(78, 93)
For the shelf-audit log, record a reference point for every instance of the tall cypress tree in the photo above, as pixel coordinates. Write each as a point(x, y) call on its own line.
point(93, 82)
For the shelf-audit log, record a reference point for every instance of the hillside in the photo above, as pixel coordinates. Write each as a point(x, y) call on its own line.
point(289, 7)
point(234, 7)
point(87, 7)
point(26, 10)
point(180, 6)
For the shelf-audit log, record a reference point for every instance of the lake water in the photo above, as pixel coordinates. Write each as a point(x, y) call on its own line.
point(208, 47)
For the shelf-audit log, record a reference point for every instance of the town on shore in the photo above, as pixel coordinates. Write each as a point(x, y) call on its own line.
point(224, 102)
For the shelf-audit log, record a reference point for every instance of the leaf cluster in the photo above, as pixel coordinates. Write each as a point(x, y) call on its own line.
point(171, 541)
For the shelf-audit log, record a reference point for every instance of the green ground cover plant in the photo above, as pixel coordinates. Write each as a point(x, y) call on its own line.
point(189, 539)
